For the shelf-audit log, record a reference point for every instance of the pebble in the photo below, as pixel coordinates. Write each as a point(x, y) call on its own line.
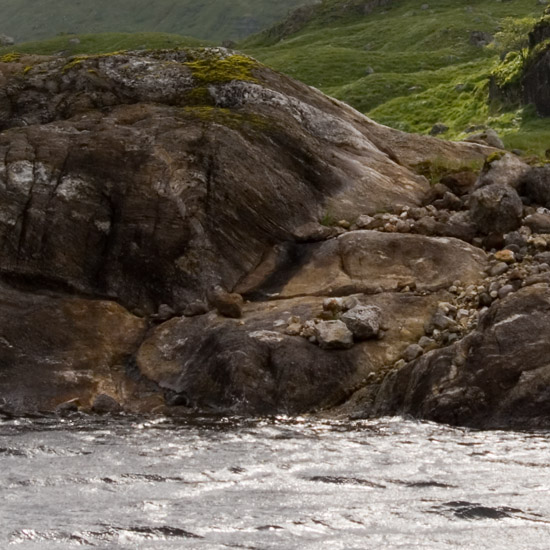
point(412, 352)
point(505, 290)
point(498, 269)
point(506, 256)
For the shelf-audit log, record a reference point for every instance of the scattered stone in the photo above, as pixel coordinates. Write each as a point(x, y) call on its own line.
point(535, 185)
point(363, 321)
point(105, 404)
point(505, 290)
point(438, 128)
point(165, 312)
point(498, 269)
point(487, 137)
point(496, 208)
point(314, 232)
point(227, 304)
point(333, 335)
point(74, 41)
point(427, 343)
point(364, 221)
point(441, 322)
point(337, 305)
point(344, 224)
point(68, 407)
point(538, 222)
point(294, 329)
point(506, 256)
point(412, 352)
point(480, 39)
point(460, 183)
point(198, 307)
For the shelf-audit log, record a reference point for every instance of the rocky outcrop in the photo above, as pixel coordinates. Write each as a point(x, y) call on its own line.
point(188, 230)
point(498, 376)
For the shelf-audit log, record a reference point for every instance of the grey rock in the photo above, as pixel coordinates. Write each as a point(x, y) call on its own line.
point(480, 39)
point(197, 307)
point(507, 169)
point(412, 352)
point(438, 128)
point(497, 376)
point(105, 404)
point(496, 208)
point(535, 185)
point(333, 335)
point(498, 269)
point(363, 321)
point(503, 291)
point(6, 40)
point(488, 137)
point(538, 223)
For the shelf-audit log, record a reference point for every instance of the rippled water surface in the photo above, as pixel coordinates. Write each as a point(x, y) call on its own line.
point(270, 484)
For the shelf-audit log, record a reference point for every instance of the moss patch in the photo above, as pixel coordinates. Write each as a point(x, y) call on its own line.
point(214, 69)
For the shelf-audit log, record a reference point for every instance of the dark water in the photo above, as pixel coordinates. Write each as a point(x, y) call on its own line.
point(270, 484)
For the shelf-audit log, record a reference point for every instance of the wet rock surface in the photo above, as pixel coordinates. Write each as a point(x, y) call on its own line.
point(184, 231)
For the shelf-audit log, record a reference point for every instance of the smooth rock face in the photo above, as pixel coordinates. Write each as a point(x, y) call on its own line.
point(495, 377)
point(372, 261)
point(55, 348)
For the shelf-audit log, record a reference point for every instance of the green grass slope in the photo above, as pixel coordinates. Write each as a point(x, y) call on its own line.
point(405, 66)
point(72, 44)
point(214, 20)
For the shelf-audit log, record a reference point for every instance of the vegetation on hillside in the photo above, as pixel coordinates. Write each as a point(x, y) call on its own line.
point(408, 67)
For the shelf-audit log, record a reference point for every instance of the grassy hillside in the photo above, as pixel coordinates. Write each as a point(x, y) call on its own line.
point(214, 20)
point(405, 66)
point(72, 44)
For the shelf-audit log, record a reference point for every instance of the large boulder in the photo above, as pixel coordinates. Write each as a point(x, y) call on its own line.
point(535, 185)
point(495, 377)
point(496, 208)
point(150, 177)
point(370, 262)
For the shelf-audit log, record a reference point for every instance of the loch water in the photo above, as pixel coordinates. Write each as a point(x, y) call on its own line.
point(270, 484)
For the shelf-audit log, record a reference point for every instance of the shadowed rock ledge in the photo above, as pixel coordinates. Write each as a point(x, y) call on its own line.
point(143, 193)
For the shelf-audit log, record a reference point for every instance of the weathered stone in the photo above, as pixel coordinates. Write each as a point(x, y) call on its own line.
point(413, 352)
point(535, 185)
point(105, 404)
point(337, 305)
point(228, 304)
point(507, 256)
point(58, 348)
point(438, 128)
point(488, 137)
point(197, 307)
point(372, 261)
point(363, 321)
point(506, 169)
point(496, 208)
point(333, 335)
point(538, 223)
point(495, 377)
point(460, 183)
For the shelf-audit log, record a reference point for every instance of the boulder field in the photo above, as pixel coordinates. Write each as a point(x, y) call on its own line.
point(189, 230)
